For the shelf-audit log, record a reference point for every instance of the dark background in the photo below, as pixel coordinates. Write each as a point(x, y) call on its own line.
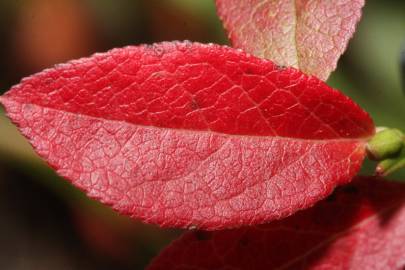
point(47, 224)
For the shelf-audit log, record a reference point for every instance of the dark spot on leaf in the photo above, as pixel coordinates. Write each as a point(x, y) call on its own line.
point(48, 81)
point(194, 104)
point(280, 67)
point(202, 235)
point(249, 70)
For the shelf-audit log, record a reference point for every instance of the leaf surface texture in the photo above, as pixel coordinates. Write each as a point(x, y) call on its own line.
point(191, 135)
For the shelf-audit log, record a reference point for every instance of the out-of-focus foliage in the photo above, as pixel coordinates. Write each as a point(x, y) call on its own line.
point(45, 223)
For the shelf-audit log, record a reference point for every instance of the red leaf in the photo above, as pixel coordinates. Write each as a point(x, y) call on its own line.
point(192, 135)
point(361, 226)
point(307, 34)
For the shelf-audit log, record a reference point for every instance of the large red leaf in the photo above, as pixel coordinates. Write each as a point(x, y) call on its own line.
point(307, 34)
point(362, 226)
point(192, 135)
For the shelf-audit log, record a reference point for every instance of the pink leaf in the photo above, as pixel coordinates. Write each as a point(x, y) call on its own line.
point(192, 135)
point(361, 226)
point(307, 34)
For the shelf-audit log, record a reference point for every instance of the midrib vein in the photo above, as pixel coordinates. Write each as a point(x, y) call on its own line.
point(258, 137)
point(294, 4)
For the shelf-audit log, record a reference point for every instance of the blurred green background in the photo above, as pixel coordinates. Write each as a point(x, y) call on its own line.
point(47, 224)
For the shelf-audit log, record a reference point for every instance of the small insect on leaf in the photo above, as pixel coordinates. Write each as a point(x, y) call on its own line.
point(192, 135)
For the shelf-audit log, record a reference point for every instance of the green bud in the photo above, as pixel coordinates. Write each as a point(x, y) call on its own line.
point(385, 144)
point(391, 165)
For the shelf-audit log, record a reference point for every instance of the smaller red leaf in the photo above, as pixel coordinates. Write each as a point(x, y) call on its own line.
point(361, 226)
point(192, 135)
point(307, 34)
